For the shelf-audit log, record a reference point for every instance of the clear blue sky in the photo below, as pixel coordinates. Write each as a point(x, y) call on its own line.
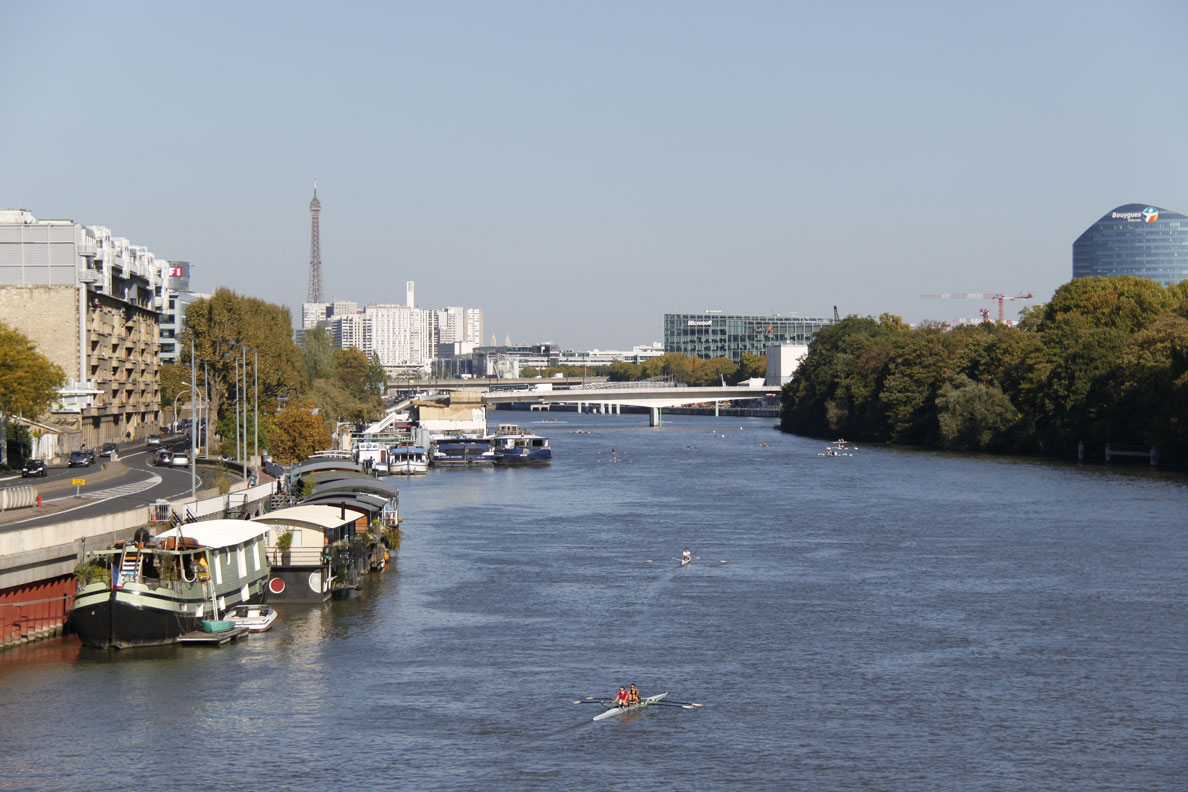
point(578, 169)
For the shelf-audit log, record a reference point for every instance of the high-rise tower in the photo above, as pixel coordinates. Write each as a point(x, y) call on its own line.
point(314, 294)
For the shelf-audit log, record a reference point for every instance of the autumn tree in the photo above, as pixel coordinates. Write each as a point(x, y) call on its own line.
point(298, 433)
point(229, 332)
point(29, 382)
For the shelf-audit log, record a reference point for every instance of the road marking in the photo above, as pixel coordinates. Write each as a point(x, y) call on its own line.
point(97, 497)
point(122, 490)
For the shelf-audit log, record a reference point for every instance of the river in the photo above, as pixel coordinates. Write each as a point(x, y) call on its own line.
point(894, 620)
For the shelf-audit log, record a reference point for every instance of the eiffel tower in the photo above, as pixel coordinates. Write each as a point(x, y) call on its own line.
point(314, 293)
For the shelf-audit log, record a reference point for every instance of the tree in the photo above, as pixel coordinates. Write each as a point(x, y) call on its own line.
point(972, 416)
point(29, 382)
point(749, 367)
point(1126, 303)
point(223, 326)
point(172, 377)
point(317, 350)
point(1148, 392)
point(298, 433)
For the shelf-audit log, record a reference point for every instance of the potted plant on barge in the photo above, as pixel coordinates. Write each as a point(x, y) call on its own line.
point(284, 541)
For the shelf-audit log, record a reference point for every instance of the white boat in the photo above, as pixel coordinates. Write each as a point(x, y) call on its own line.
point(515, 446)
point(407, 460)
point(610, 713)
point(257, 618)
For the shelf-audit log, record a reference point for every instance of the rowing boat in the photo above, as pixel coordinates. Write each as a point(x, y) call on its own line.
point(610, 713)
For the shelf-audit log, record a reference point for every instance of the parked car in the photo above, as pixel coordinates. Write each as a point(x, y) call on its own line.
point(107, 449)
point(163, 457)
point(83, 458)
point(154, 440)
point(33, 467)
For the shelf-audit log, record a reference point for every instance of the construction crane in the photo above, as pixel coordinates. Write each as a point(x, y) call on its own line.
point(1001, 298)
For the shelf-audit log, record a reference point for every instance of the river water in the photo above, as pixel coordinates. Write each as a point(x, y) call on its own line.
point(895, 620)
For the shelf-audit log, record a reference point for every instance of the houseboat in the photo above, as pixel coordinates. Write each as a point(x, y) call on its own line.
point(515, 446)
point(463, 452)
point(150, 591)
point(407, 460)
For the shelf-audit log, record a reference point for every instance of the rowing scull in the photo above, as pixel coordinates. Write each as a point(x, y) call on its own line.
point(610, 713)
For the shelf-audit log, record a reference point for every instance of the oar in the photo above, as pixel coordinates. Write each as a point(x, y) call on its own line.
point(682, 703)
point(673, 704)
point(592, 700)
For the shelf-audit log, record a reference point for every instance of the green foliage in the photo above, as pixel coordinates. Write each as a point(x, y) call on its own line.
point(1105, 361)
point(972, 416)
point(226, 323)
point(317, 350)
point(29, 382)
point(688, 370)
point(91, 572)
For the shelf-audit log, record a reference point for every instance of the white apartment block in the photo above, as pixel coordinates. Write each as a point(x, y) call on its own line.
point(91, 302)
point(352, 331)
point(401, 337)
point(312, 313)
point(455, 325)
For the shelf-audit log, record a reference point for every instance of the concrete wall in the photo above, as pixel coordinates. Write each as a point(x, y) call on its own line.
point(48, 315)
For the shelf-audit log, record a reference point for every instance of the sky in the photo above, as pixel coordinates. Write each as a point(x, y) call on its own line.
point(577, 170)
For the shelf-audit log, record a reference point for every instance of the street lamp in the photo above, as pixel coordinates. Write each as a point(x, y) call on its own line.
point(175, 398)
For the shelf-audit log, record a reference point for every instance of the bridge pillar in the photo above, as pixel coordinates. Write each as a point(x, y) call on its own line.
point(654, 417)
point(716, 405)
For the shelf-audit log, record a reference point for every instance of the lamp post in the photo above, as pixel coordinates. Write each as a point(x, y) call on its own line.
point(175, 398)
point(194, 425)
point(256, 404)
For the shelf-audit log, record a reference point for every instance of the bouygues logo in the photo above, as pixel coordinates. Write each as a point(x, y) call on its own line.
point(1148, 215)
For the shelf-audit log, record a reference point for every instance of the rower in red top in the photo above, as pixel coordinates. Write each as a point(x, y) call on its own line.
point(622, 700)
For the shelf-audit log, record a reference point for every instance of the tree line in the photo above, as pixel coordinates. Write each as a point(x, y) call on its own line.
point(692, 371)
point(1105, 361)
point(304, 391)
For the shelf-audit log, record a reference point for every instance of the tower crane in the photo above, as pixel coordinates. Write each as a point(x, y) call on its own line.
point(1001, 298)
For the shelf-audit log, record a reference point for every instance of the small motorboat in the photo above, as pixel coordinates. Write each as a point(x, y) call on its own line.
point(257, 618)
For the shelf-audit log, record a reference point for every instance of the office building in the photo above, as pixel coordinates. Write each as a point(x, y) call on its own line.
point(1134, 239)
point(715, 334)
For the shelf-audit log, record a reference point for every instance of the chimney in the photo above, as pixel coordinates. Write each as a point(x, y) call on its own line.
point(408, 294)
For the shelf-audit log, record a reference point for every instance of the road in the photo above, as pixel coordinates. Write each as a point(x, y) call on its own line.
point(129, 482)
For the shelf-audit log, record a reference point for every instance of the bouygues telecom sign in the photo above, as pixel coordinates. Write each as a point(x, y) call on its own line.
point(1148, 215)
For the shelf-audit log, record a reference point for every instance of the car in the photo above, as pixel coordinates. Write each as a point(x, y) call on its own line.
point(180, 459)
point(163, 457)
point(33, 467)
point(154, 440)
point(82, 458)
point(107, 449)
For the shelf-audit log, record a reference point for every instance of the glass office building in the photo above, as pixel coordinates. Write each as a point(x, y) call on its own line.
point(712, 334)
point(1135, 239)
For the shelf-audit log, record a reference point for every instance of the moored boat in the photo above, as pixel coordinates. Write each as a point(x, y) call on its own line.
point(150, 592)
point(515, 446)
point(407, 460)
point(463, 452)
point(255, 617)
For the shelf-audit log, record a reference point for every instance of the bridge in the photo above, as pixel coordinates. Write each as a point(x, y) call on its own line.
point(651, 395)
